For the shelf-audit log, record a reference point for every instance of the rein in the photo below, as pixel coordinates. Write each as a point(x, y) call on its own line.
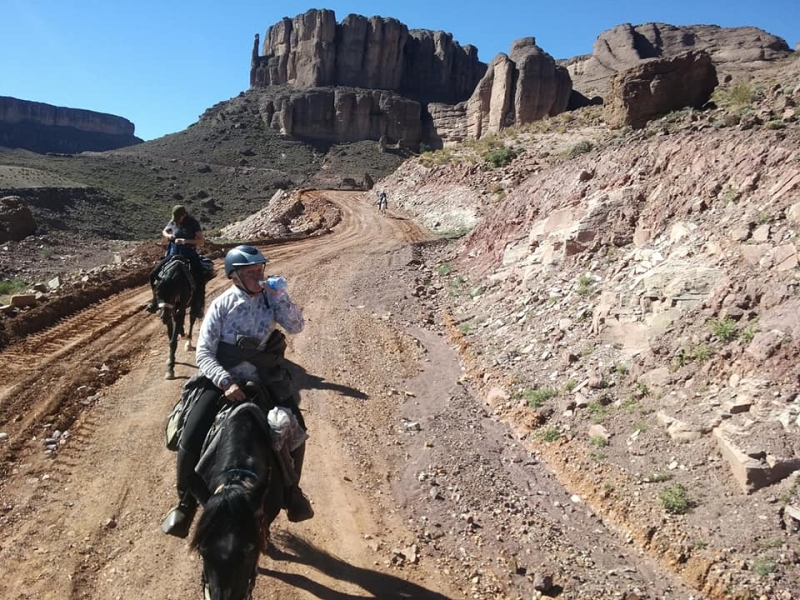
point(244, 473)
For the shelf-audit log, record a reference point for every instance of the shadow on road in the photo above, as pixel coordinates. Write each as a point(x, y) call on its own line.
point(306, 381)
point(378, 585)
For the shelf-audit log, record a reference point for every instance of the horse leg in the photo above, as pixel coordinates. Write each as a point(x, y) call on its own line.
point(172, 331)
point(189, 345)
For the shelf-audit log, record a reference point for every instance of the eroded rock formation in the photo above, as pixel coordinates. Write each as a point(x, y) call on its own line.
point(625, 45)
point(517, 89)
point(341, 114)
point(312, 50)
point(44, 128)
point(657, 86)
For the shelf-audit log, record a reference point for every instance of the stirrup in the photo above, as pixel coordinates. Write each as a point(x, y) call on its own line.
point(298, 506)
point(178, 521)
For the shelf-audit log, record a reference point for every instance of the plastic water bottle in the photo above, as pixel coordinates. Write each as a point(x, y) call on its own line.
point(276, 283)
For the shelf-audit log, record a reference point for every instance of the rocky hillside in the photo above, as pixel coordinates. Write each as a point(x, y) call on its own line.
point(628, 301)
point(45, 128)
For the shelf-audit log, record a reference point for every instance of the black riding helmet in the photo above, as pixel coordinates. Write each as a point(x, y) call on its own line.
point(242, 256)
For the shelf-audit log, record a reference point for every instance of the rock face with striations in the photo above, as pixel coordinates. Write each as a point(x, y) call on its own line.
point(624, 46)
point(341, 114)
point(522, 87)
point(312, 50)
point(44, 128)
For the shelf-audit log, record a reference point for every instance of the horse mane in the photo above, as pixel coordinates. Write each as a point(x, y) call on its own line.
point(227, 510)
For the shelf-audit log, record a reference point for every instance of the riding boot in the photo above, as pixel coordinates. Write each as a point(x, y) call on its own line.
point(179, 520)
point(152, 306)
point(298, 506)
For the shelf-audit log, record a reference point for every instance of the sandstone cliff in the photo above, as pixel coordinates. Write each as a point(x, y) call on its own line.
point(623, 46)
point(46, 128)
point(517, 89)
point(312, 50)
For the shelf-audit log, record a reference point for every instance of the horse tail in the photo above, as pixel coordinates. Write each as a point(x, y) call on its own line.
point(230, 505)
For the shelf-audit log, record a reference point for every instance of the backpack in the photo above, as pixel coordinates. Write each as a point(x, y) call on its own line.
point(176, 420)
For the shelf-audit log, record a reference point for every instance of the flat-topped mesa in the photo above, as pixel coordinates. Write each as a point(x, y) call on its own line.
point(312, 50)
point(41, 127)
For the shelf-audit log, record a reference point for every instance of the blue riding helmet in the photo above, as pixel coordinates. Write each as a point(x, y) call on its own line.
point(242, 256)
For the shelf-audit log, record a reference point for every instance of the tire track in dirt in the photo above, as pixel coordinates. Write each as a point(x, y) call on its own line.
point(84, 522)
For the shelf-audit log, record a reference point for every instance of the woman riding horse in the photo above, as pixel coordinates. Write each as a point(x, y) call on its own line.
point(245, 314)
point(184, 235)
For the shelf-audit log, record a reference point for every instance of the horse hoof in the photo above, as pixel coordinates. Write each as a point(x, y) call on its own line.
point(189, 346)
point(169, 375)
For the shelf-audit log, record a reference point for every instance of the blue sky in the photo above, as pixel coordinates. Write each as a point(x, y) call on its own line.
point(161, 63)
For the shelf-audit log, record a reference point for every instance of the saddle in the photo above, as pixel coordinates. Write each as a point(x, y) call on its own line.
point(170, 269)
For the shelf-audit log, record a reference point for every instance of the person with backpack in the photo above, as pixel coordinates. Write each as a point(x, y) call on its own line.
point(238, 344)
point(184, 235)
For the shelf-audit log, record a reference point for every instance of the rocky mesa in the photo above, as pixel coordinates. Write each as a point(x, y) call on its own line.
point(42, 128)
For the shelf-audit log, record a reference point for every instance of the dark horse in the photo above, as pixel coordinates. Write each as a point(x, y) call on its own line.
point(174, 289)
point(247, 494)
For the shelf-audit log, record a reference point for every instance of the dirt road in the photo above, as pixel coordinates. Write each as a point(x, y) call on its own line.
point(418, 494)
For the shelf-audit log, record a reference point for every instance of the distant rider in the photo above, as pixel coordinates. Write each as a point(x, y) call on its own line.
point(382, 202)
point(246, 310)
point(184, 235)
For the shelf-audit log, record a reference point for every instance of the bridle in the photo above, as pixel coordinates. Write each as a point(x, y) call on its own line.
point(247, 479)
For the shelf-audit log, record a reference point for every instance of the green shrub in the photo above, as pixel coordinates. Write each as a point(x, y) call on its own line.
point(12, 286)
point(581, 147)
point(597, 411)
point(548, 434)
point(500, 157)
point(675, 499)
point(723, 329)
point(738, 95)
point(444, 269)
point(763, 566)
point(536, 397)
point(598, 441)
point(585, 282)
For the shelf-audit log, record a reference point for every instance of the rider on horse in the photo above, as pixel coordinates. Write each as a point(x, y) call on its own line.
point(184, 234)
point(247, 311)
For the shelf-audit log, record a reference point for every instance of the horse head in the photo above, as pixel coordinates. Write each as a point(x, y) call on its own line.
point(228, 540)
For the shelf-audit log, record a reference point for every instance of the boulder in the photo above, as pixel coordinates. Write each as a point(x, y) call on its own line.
point(16, 219)
point(658, 86)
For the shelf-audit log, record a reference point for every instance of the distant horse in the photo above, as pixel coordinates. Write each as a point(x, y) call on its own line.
point(174, 289)
point(248, 494)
